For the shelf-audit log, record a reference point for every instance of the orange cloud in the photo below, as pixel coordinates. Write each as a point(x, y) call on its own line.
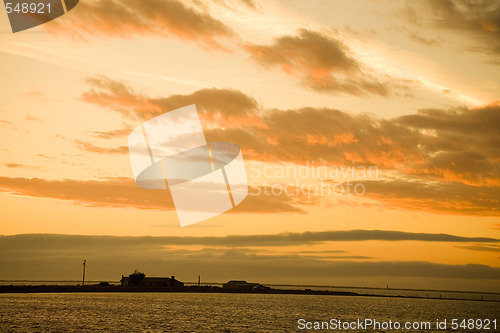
point(323, 63)
point(113, 133)
point(21, 166)
point(454, 145)
point(217, 107)
point(461, 145)
point(87, 146)
point(443, 146)
point(123, 192)
point(118, 96)
point(437, 197)
point(126, 18)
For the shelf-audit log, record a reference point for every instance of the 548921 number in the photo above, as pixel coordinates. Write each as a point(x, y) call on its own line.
point(474, 324)
point(24, 8)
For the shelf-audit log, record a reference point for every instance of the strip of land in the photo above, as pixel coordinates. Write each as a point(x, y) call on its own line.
point(99, 288)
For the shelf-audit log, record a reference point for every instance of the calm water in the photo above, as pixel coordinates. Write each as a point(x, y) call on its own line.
point(183, 312)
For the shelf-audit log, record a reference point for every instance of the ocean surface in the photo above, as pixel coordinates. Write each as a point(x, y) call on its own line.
point(197, 312)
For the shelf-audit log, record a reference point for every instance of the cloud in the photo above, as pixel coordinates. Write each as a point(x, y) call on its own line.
point(127, 18)
point(445, 150)
point(112, 134)
point(446, 197)
point(482, 248)
point(433, 142)
point(30, 117)
point(288, 135)
point(421, 39)
point(7, 123)
point(24, 256)
point(460, 144)
point(120, 192)
point(123, 192)
point(119, 97)
point(249, 3)
point(20, 166)
point(227, 106)
point(235, 5)
point(455, 145)
point(326, 137)
point(242, 241)
point(481, 18)
point(258, 201)
point(323, 63)
point(478, 20)
point(90, 147)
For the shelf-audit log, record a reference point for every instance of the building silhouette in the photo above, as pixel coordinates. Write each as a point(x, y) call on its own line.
point(243, 285)
point(169, 282)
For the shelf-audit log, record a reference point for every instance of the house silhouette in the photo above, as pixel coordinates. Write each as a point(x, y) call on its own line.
point(169, 282)
point(243, 285)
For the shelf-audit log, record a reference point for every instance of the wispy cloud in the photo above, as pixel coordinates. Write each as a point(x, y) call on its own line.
point(30, 117)
point(113, 134)
point(480, 18)
point(127, 18)
point(243, 241)
point(437, 197)
point(21, 166)
point(123, 192)
point(7, 123)
point(479, 21)
point(482, 248)
point(90, 147)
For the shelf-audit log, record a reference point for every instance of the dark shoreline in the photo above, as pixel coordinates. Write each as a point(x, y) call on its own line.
point(31, 289)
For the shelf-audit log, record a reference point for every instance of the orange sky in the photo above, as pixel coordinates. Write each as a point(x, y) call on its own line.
point(410, 90)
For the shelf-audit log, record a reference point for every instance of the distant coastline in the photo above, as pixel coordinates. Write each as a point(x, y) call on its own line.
point(217, 284)
point(110, 288)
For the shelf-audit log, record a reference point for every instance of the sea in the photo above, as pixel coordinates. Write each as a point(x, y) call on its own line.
point(218, 312)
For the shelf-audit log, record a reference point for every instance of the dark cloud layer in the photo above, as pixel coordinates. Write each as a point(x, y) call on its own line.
point(284, 239)
point(59, 257)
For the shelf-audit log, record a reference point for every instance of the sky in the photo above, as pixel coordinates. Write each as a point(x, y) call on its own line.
point(369, 131)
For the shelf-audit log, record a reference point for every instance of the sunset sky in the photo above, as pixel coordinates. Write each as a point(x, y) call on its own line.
point(409, 89)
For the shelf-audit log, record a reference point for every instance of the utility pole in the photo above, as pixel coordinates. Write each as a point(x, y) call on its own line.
point(83, 280)
point(199, 278)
